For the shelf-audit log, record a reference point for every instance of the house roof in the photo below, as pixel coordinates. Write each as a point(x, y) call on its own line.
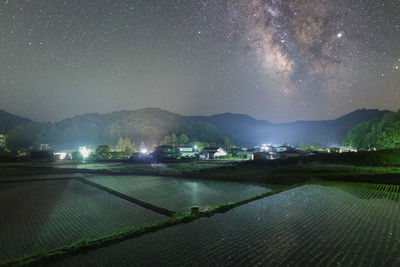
point(213, 149)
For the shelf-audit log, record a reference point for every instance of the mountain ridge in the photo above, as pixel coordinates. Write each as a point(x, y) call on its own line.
point(151, 124)
point(9, 121)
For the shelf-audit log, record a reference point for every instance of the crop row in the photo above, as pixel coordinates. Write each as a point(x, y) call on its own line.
point(348, 224)
point(177, 194)
point(49, 214)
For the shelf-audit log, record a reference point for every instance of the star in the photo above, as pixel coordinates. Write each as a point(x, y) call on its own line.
point(258, 52)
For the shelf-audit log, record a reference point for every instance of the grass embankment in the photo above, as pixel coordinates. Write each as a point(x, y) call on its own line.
point(302, 172)
point(46, 256)
point(381, 166)
point(382, 158)
point(136, 201)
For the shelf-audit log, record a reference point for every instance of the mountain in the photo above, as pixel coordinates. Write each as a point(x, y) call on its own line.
point(150, 125)
point(8, 121)
point(241, 129)
point(246, 131)
point(145, 125)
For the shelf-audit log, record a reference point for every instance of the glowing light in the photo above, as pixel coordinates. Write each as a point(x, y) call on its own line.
point(84, 151)
point(62, 155)
point(265, 147)
point(339, 35)
point(195, 147)
point(144, 150)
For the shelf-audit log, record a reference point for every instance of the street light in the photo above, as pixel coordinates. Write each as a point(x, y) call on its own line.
point(84, 151)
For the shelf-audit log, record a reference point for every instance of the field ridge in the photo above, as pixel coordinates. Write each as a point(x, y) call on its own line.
point(87, 244)
point(136, 201)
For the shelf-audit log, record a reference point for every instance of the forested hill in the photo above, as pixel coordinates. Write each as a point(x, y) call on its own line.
point(8, 121)
point(247, 131)
point(148, 125)
point(380, 132)
point(242, 129)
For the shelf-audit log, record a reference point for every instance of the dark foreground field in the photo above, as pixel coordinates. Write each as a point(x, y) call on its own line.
point(298, 220)
point(313, 224)
point(49, 214)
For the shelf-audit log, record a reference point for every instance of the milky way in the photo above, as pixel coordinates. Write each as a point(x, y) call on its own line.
point(275, 60)
point(314, 47)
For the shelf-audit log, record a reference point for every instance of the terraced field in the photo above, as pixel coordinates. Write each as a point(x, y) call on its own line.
point(178, 194)
point(329, 224)
point(54, 213)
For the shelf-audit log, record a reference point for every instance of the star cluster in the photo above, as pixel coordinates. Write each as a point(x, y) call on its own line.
point(272, 59)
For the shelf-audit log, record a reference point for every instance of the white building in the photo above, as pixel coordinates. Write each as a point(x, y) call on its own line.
point(2, 139)
point(213, 153)
point(187, 151)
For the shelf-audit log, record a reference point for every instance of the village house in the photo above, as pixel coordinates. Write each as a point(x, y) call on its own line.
point(213, 153)
point(243, 154)
point(165, 153)
point(187, 151)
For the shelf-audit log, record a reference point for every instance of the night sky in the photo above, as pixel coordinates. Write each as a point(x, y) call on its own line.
point(274, 60)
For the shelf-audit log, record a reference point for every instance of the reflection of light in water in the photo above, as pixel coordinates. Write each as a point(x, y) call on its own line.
point(193, 189)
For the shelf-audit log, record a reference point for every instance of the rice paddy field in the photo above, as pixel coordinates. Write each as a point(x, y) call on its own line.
point(48, 214)
point(179, 194)
point(325, 224)
point(170, 168)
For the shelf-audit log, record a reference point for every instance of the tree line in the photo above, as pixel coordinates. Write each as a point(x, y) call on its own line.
point(377, 133)
point(173, 140)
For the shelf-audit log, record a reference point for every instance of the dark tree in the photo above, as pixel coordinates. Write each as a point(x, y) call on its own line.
point(103, 152)
point(23, 137)
point(76, 155)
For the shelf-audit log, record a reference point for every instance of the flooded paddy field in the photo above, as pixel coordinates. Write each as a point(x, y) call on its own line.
point(48, 214)
point(326, 224)
point(179, 194)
